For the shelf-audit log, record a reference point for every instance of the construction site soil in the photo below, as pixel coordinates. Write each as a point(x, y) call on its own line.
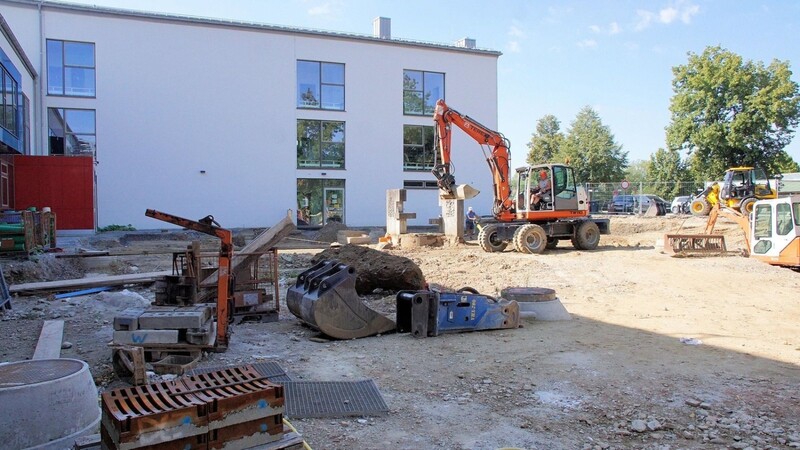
point(661, 352)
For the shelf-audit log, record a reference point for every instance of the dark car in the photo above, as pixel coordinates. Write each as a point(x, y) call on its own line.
point(636, 203)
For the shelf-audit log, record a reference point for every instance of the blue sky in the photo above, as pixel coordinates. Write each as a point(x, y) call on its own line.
point(613, 55)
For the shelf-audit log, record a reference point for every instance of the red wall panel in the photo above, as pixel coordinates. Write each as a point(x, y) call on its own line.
point(65, 184)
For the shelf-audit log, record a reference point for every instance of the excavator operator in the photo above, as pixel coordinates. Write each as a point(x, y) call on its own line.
point(540, 191)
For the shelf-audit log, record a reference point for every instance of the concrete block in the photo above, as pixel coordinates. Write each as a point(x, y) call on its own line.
point(453, 217)
point(141, 337)
point(193, 317)
point(128, 320)
point(359, 240)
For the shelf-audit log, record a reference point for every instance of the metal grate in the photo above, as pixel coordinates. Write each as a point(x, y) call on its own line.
point(326, 399)
point(269, 369)
point(695, 244)
point(24, 373)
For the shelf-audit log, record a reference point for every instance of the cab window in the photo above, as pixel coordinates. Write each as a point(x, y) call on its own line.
point(783, 218)
point(763, 222)
point(564, 182)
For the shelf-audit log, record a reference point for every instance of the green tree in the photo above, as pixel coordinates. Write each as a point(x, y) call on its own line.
point(636, 172)
point(729, 112)
point(785, 164)
point(667, 171)
point(590, 148)
point(546, 142)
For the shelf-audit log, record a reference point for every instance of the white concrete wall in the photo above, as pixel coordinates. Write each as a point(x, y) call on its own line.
point(13, 15)
point(176, 98)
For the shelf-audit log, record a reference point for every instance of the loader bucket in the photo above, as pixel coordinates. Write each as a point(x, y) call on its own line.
point(325, 297)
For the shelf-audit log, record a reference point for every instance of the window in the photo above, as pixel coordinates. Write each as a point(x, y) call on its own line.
point(419, 152)
point(26, 126)
point(320, 201)
point(320, 85)
point(783, 218)
point(421, 91)
point(419, 184)
point(71, 131)
point(763, 222)
point(9, 102)
point(320, 144)
point(70, 68)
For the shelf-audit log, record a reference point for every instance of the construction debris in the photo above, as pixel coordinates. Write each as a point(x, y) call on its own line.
point(81, 283)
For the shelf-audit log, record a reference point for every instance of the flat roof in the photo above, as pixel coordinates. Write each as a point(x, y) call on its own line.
point(250, 25)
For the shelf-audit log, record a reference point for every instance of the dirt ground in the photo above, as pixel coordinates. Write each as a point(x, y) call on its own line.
point(661, 352)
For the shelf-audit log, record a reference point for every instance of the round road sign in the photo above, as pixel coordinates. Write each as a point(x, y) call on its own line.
point(625, 184)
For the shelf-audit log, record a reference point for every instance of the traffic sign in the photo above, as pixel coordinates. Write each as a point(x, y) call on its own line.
point(625, 184)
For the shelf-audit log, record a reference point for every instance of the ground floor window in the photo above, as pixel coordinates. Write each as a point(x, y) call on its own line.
point(319, 201)
point(71, 132)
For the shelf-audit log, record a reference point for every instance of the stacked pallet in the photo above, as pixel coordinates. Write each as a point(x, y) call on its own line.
point(233, 408)
point(173, 337)
point(27, 231)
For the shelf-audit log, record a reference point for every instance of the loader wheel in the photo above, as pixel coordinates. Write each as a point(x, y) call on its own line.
point(490, 241)
point(701, 207)
point(747, 206)
point(551, 243)
point(587, 236)
point(530, 238)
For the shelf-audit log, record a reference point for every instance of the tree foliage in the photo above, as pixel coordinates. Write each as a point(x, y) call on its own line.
point(667, 171)
point(636, 172)
point(546, 142)
point(590, 148)
point(728, 112)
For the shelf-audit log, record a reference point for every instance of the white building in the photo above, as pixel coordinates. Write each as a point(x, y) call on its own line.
point(244, 121)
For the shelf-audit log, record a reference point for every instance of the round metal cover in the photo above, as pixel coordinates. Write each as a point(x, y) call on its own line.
point(25, 373)
point(528, 294)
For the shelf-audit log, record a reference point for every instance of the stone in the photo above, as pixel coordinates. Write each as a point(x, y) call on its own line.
point(653, 425)
point(639, 426)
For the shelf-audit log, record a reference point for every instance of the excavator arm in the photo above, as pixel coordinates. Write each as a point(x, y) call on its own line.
point(445, 117)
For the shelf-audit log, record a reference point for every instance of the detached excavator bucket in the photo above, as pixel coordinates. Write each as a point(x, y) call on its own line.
point(325, 297)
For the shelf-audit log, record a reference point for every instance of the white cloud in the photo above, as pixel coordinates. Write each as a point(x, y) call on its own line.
point(614, 28)
point(320, 10)
point(513, 47)
point(595, 29)
point(587, 43)
point(516, 32)
point(682, 10)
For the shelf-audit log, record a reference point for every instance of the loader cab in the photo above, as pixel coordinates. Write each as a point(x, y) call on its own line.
point(775, 231)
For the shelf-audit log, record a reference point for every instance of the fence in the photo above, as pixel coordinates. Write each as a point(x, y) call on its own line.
point(602, 195)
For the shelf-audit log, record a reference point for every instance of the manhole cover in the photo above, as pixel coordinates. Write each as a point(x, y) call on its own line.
point(24, 373)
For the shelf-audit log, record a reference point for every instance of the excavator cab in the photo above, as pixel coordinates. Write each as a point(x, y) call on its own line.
point(545, 189)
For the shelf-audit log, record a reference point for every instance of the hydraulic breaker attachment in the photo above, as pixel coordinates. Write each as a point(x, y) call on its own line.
point(695, 244)
point(325, 297)
point(431, 313)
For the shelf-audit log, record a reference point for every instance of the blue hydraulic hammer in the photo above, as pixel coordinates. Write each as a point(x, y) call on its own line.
point(431, 313)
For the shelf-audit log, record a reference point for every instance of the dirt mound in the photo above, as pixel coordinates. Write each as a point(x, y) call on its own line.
point(44, 268)
point(376, 269)
point(328, 233)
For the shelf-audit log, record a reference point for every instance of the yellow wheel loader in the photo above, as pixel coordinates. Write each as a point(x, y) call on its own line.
point(739, 191)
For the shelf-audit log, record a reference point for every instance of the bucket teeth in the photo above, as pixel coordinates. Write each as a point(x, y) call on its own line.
point(325, 297)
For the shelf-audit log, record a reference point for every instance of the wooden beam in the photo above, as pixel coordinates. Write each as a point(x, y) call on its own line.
point(49, 345)
point(83, 283)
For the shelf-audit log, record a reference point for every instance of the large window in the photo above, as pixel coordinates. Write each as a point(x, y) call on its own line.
point(421, 91)
point(320, 85)
point(419, 151)
point(71, 132)
point(320, 144)
point(320, 201)
point(70, 68)
point(9, 103)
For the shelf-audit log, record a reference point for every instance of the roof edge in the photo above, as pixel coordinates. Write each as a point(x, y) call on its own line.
point(9, 34)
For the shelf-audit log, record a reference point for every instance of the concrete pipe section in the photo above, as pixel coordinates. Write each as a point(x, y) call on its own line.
point(47, 403)
point(537, 303)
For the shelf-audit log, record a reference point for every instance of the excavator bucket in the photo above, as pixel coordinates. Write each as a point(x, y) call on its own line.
point(695, 244)
point(325, 297)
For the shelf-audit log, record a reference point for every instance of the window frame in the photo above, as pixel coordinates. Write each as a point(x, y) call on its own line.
point(65, 118)
point(422, 90)
point(320, 143)
point(422, 147)
point(9, 110)
point(320, 84)
point(64, 66)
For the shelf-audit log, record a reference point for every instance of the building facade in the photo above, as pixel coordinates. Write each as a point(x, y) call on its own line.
point(244, 121)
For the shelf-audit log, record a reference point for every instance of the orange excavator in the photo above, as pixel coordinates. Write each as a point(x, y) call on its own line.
point(546, 205)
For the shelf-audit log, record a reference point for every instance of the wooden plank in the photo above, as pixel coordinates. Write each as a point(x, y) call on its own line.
point(49, 345)
point(83, 283)
point(262, 243)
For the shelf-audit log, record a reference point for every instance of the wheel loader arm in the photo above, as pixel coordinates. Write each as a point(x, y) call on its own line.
point(740, 219)
point(444, 118)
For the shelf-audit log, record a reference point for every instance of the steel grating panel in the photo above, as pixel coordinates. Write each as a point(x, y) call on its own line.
point(269, 369)
point(326, 399)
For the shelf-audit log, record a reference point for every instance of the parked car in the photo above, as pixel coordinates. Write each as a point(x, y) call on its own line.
point(632, 203)
point(680, 204)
